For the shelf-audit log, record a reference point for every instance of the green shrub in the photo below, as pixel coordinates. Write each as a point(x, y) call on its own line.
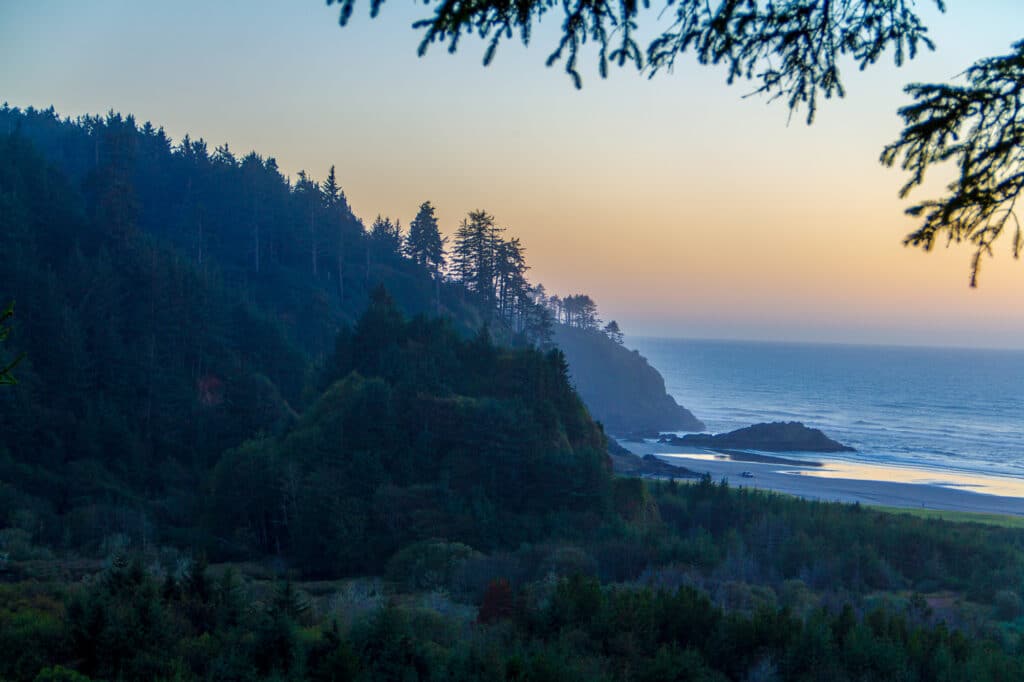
point(428, 565)
point(1008, 604)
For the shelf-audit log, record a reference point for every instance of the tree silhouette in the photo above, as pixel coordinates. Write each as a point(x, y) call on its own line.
point(512, 291)
point(386, 236)
point(791, 50)
point(474, 255)
point(424, 245)
point(334, 198)
point(979, 127)
point(6, 377)
point(332, 192)
point(310, 198)
point(579, 311)
point(614, 332)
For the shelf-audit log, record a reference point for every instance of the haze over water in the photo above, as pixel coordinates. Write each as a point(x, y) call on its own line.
point(957, 410)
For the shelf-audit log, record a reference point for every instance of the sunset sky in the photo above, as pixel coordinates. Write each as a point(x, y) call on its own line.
point(683, 208)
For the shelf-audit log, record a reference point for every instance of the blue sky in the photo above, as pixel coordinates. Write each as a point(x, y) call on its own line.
point(682, 207)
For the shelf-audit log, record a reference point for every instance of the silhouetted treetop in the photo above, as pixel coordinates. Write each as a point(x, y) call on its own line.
point(614, 332)
point(6, 377)
point(425, 245)
point(792, 49)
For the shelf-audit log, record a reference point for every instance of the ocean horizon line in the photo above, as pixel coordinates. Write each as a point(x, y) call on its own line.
point(826, 343)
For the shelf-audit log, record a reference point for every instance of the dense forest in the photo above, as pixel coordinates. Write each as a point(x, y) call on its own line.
point(677, 582)
point(174, 302)
point(419, 435)
point(252, 438)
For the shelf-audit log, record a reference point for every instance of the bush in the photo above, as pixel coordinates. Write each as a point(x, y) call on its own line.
point(567, 561)
point(428, 565)
point(60, 674)
point(475, 575)
point(1008, 604)
point(497, 603)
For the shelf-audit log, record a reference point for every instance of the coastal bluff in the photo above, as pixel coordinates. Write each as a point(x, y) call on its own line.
point(769, 437)
point(619, 386)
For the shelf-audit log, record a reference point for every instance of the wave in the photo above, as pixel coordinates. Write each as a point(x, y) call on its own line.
point(956, 410)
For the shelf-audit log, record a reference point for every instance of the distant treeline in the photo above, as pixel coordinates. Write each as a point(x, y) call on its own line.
point(278, 240)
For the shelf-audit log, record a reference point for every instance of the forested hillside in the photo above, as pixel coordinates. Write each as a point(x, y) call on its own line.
point(155, 341)
point(138, 371)
point(251, 438)
point(173, 301)
point(419, 435)
point(292, 248)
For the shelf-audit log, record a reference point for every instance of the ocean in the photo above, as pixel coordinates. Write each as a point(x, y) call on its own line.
point(954, 410)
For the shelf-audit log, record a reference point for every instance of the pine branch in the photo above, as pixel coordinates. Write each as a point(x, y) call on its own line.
point(979, 128)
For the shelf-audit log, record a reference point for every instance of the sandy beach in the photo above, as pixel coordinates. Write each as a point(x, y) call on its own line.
point(845, 481)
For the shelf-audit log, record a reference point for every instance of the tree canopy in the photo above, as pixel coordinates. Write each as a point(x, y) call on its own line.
point(6, 377)
point(792, 50)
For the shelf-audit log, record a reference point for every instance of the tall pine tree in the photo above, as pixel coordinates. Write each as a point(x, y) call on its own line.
point(425, 245)
point(474, 255)
point(6, 377)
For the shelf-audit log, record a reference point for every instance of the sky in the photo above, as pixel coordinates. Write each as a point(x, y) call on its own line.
point(682, 207)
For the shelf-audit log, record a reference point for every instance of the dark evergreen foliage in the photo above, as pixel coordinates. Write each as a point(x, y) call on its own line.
point(276, 245)
point(792, 48)
point(174, 303)
point(123, 624)
point(6, 369)
point(978, 126)
point(613, 332)
point(425, 245)
point(421, 434)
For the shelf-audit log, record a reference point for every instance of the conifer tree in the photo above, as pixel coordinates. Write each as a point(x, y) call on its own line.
point(6, 377)
point(334, 198)
point(386, 236)
point(580, 311)
point(978, 127)
point(512, 289)
point(792, 50)
point(474, 255)
point(252, 169)
point(614, 332)
point(310, 198)
point(331, 191)
point(115, 204)
point(425, 245)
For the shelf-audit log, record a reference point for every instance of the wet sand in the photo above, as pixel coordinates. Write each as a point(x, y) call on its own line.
point(845, 481)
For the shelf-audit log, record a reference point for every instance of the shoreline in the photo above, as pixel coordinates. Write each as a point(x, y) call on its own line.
point(843, 481)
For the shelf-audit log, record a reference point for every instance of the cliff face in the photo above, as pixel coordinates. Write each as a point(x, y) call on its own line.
point(619, 387)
